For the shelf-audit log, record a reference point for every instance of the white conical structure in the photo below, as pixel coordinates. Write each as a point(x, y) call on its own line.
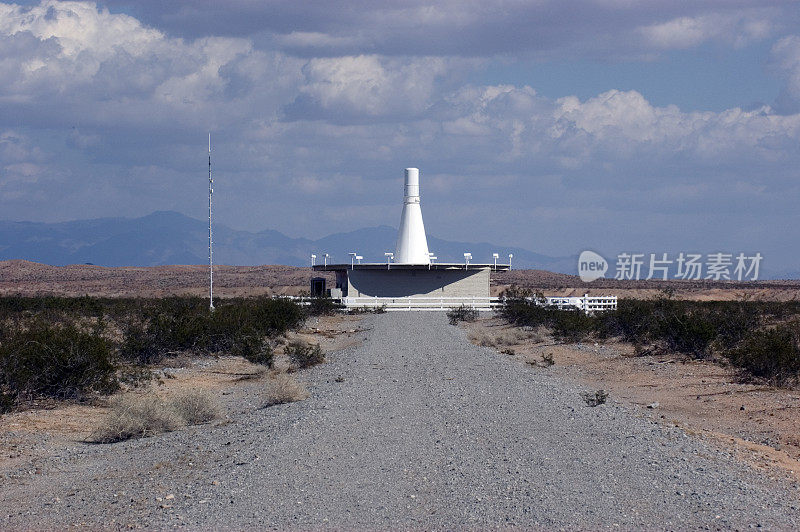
point(412, 245)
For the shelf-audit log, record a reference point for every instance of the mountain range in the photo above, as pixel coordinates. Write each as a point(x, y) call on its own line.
point(167, 237)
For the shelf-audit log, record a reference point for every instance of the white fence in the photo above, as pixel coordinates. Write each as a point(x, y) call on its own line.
point(421, 303)
point(586, 303)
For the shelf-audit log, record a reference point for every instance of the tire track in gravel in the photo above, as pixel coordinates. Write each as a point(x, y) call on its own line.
point(425, 431)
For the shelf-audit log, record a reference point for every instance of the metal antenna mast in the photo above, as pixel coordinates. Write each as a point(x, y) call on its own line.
point(210, 233)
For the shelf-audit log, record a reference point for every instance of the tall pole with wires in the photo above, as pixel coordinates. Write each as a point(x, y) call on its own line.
point(210, 233)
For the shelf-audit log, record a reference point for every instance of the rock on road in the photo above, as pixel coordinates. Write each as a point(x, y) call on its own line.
point(415, 428)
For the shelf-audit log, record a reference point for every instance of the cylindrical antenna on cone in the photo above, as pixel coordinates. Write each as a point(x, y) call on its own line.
point(412, 244)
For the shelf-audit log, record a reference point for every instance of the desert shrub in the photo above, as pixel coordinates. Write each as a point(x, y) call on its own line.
point(65, 347)
point(284, 388)
point(566, 325)
point(7, 402)
point(254, 348)
point(318, 306)
point(52, 305)
point(367, 310)
point(525, 313)
point(481, 339)
point(772, 354)
point(571, 325)
point(196, 407)
point(545, 361)
point(136, 417)
point(689, 327)
point(185, 323)
point(139, 345)
point(462, 313)
point(55, 361)
point(303, 354)
point(753, 335)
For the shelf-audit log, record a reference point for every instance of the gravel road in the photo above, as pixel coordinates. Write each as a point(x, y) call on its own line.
point(424, 431)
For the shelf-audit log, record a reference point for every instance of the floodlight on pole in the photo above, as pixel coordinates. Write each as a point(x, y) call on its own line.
point(325, 256)
point(359, 258)
point(352, 259)
point(313, 260)
point(467, 258)
point(495, 256)
point(510, 256)
point(389, 257)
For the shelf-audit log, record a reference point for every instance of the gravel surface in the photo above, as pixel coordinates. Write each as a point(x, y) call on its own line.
point(415, 428)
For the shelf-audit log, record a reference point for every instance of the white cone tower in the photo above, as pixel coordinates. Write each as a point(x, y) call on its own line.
point(412, 245)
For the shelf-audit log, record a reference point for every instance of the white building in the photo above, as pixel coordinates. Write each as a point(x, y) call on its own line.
point(410, 278)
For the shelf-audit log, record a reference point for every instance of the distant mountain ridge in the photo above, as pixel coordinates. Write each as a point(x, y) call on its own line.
point(166, 237)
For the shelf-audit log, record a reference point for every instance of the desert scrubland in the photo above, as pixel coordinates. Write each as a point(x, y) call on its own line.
point(671, 413)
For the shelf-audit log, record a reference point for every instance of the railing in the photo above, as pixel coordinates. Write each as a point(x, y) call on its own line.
point(588, 304)
point(422, 303)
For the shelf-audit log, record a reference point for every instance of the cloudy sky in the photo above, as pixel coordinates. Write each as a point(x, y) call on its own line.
point(554, 125)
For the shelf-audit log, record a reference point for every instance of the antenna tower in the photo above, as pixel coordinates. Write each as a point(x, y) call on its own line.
point(210, 233)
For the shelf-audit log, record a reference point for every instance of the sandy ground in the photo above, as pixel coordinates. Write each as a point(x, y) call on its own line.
point(46, 428)
point(761, 423)
point(557, 284)
point(18, 277)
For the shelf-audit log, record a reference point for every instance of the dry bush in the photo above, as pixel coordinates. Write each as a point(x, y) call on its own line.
point(284, 388)
point(304, 355)
point(479, 338)
point(595, 398)
point(539, 334)
point(508, 337)
point(281, 364)
point(544, 361)
point(137, 417)
point(462, 313)
point(196, 407)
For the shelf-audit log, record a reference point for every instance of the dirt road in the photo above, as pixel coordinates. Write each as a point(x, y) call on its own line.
point(414, 428)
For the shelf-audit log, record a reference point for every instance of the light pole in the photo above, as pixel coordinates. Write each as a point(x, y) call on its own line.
point(510, 256)
point(495, 256)
point(313, 260)
point(358, 258)
point(389, 257)
point(352, 259)
point(467, 257)
point(431, 258)
point(325, 256)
